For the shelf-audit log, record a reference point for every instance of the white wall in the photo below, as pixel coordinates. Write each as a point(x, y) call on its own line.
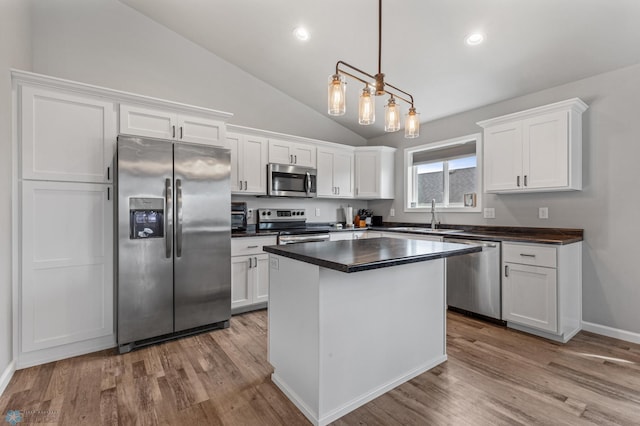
point(15, 51)
point(107, 43)
point(607, 208)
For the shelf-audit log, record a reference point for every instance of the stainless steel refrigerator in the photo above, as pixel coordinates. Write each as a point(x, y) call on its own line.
point(174, 240)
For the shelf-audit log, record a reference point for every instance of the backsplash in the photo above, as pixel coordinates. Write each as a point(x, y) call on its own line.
point(330, 210)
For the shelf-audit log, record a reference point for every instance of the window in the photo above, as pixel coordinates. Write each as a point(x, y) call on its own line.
point(448, 172)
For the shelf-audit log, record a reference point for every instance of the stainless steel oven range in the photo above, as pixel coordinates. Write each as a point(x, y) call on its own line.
point(291, 224)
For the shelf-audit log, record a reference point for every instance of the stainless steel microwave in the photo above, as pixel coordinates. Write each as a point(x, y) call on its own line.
point(291, 181)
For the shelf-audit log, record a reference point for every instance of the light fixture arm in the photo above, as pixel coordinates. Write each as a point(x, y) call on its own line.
point(395, 92)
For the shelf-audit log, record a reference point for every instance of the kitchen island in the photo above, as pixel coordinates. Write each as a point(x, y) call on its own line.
point(351, 320)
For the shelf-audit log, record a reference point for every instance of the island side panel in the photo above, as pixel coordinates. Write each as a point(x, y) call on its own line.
point(293, 331)
point(378, 329)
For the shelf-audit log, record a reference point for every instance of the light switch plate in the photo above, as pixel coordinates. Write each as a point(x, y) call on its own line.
point(543, 213)
point(489, 213)
point(392, 212)
point(317, 211)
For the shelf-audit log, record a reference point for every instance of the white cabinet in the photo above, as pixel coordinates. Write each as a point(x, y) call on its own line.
point(335, 173)
point(67, 264)
point(542, 289)
point(66, 136)
point(166, 124)
point(535, 150)
point(249, 273)
point(374, 172)
point(248, 164)
point(294, 153)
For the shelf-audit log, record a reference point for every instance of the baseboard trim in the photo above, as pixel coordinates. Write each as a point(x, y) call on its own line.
point(7, 374)
point(616, 333)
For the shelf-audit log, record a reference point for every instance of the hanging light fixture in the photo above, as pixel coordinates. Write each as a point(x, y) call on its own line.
point(366, 107)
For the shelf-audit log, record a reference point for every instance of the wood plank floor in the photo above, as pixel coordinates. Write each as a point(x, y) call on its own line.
point(494, 376)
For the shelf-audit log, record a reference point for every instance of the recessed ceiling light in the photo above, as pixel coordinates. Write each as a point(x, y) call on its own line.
point(301, 33)
point(474, 39)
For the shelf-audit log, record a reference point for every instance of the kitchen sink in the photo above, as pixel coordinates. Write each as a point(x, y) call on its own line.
point(424, 230)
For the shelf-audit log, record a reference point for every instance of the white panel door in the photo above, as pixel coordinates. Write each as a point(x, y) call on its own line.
point(280, 152)
point(546, 151)
point(201, 130)
point(253, 164)
point(261, 278)
point(153, 123)
point(367, 174)
point(66, 137)
point(304, 155)
point(503, 157)
point(67, 263)
point(343, 173)
point(529, 296)
point(241, 281)
point(324, 183)
point(233, 142)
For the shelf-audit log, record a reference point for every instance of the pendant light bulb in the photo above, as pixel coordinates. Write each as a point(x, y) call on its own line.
point(337, 95)
point(391, 116)
point(412, 124)
point(366, 107)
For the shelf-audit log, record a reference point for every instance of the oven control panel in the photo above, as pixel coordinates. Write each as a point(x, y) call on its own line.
point(281, 215)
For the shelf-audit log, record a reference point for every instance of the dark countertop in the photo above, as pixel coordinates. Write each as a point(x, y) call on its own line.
point(557, 236)
point(371, 253)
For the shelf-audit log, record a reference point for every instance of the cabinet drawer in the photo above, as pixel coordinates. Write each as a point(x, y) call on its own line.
point(250, 245)
point(528, 254)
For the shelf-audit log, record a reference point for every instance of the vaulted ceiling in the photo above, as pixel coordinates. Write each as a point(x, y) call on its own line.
point(530, 45)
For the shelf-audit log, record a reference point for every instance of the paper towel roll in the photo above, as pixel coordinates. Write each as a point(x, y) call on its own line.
point(348, 214)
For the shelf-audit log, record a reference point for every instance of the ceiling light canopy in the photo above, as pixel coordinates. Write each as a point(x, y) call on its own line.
point(474, 39)
point(301, 33)
point(374, 85)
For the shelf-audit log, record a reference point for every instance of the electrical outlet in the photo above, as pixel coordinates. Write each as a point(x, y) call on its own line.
point(543, 213)
point(489, 213)
point(249, 213)
point(392, 212)
point(317, 211)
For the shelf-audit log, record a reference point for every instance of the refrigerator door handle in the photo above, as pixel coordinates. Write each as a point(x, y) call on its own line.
point(168, 221)
point(178, 217)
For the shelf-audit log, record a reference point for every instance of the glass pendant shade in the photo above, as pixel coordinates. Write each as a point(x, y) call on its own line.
point(366, 107)
point(337, 93)
point(412, 124)
point(391, 116)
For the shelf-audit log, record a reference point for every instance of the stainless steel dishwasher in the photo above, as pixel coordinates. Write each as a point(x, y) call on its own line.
point(474, 280)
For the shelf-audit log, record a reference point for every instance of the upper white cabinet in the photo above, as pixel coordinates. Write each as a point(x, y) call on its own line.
point(166, 124)
point(66, 136)
point(335, 173)
point(535, 150)
point(374, 171)
point(248, 164)
point(542, 289)
point(294, 153)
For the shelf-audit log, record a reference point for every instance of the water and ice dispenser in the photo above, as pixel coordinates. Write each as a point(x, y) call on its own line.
point(146, 218)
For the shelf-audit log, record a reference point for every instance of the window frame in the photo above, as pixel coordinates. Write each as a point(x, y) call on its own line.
point(409, 179)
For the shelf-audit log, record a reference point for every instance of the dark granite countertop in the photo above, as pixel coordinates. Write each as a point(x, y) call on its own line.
point(556, 236)
point(367, 254)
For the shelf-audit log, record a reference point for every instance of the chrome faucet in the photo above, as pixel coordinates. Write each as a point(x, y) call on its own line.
point(433, 213)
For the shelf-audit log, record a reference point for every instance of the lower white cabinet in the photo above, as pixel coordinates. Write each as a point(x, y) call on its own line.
point(249, 273)
point(542, 289)
point(67, 270)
